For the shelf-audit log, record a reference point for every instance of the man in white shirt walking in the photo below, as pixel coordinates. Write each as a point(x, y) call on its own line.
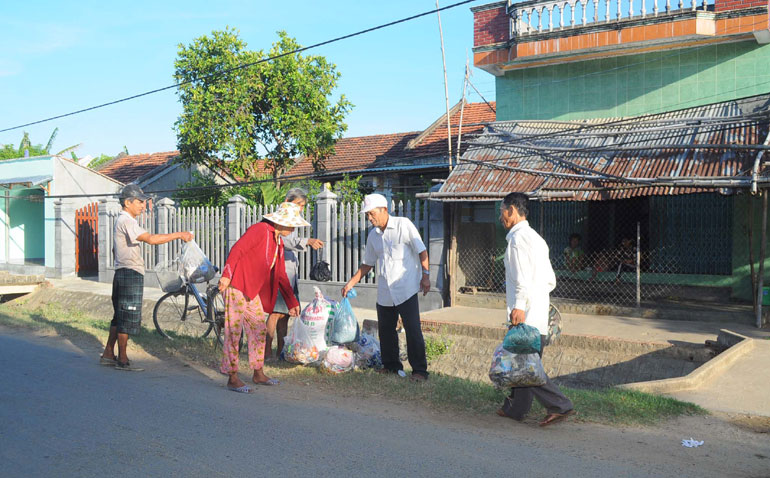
point(529, 279)
point(403, 269)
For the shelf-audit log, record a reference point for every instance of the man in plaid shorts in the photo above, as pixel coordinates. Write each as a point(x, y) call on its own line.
point(128, 283)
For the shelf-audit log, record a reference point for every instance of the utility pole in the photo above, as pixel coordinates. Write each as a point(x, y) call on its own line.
point(446, 88)
point(462, 110)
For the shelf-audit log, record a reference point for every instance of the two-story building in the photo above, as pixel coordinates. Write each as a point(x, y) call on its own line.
point(631, 121)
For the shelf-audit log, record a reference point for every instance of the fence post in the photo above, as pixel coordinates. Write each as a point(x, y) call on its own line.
point(162, 226)
point(324, 211)
point(235, 208)
point(107, 206)
point(65, 235)
point(638, 264)
point(436, 242)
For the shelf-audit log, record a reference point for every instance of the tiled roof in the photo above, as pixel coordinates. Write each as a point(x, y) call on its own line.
point(127, 169)
point(401, 149)
point(352, 154)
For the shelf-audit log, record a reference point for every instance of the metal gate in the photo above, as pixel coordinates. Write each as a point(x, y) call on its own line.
point(87, 239)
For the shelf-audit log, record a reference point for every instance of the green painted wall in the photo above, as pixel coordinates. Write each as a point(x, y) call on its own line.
point(636, 84)
point(26, 221)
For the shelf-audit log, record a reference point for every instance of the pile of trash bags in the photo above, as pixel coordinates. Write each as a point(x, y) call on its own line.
point(327, 335)
point(516, 362)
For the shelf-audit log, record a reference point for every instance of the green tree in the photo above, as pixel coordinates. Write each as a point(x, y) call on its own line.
point(350, 189)
point(276, 110)
point(9, 151)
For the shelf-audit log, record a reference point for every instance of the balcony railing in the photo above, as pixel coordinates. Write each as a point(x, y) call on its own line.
point(541, 16)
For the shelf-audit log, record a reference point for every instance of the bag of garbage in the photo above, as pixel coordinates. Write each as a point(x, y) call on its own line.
point(337, 359)
point(307, 339)
point(522, 339)
point(554, 324)
point(368, 353)
point(344, 328)
point(516, 370)
point(196, 267)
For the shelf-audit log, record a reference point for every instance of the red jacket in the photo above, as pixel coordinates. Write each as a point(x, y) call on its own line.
point(248, 267)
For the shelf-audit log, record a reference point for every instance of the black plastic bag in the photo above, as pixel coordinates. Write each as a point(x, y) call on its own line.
point(321, 272)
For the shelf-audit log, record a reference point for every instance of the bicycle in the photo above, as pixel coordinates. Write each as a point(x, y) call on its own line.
point(183, 311)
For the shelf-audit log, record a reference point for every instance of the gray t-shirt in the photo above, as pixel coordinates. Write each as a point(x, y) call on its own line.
point(127, 250)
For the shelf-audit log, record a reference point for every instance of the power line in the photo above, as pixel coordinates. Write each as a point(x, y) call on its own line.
point(244, 65)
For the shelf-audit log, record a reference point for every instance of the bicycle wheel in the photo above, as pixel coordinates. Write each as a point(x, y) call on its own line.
point(217, 304)
point(177, 314)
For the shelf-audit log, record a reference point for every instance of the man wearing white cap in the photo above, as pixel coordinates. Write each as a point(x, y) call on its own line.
point(395, 246)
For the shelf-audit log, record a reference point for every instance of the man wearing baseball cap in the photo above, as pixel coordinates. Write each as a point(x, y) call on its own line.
point(128, 282)
point(395, 246)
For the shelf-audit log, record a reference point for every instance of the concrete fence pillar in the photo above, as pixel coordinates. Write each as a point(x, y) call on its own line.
point(235, 209)
point(107, 207)
point(164, 208)
point(436, 244)
point(324, 210)
point(65, 234)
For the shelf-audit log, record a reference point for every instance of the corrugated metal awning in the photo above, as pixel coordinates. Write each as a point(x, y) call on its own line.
point(698, 149)
point(26, 181)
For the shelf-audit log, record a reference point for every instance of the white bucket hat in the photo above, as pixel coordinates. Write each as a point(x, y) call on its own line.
point(373, 201)
point(288, 214)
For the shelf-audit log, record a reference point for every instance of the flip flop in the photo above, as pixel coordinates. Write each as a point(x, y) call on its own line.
point(127, 367)
point(107, 361)
point(269, 382)
point(552, 418)
point(242, 389)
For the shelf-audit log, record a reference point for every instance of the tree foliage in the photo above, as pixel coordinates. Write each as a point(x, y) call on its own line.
point(277, 110)
point(350, 189)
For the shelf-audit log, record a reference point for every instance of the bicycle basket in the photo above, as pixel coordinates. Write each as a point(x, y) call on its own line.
point(169, 280)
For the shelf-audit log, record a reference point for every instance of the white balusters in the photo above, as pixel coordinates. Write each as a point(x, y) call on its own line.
point(681, 4)
point(584, 4)
point(668, 6)
point(596, 11)
point(655, 7)
point(572, 14)
point(694, 5)
point(619, 12)
point(550, 17)
point(607, 11)
point(644, 8)
point(630, 8)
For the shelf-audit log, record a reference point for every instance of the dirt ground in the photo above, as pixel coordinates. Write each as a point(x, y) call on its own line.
point(733, 445)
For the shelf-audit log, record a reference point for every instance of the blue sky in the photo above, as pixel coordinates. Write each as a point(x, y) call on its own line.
point(62, 56)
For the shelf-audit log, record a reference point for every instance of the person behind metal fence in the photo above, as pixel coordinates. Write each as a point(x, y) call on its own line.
point(254, 272)
point(395, 246)
point(278, 321)
point(529, 279)
point(128, 282)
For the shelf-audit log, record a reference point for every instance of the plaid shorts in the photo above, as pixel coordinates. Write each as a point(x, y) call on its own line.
point(127, 289)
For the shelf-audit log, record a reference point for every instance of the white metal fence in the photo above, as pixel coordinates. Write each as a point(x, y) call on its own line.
point(344, 246)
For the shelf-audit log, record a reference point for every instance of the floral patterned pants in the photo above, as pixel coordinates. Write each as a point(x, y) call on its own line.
point(249, 317)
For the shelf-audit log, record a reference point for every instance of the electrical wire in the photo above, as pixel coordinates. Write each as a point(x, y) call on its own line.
point(244, 65)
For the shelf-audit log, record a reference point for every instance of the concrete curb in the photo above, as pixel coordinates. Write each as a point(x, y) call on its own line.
point(703, 374)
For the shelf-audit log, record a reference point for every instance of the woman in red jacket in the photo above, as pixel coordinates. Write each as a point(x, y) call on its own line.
point(251, 278)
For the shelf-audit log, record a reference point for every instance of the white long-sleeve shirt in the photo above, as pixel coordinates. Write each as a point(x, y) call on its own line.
point(529, 277)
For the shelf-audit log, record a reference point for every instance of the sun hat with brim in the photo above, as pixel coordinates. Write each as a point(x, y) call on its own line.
point(288, 214)
point(373, 201)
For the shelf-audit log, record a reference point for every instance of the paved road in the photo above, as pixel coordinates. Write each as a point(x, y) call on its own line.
point(62, 415)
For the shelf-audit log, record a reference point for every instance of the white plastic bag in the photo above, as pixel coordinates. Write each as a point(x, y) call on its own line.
point(306, 340)
point(338, 359)
point(196, 266)
point(516, 370)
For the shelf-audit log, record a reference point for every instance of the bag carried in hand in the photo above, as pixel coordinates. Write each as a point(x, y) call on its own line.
point(321, 272)
point(516, 370)
point(344, 328)
point(307, 339)
point(522, 339)
point(196, 266)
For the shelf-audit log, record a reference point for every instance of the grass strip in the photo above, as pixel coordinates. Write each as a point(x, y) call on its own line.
point(442, 392)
